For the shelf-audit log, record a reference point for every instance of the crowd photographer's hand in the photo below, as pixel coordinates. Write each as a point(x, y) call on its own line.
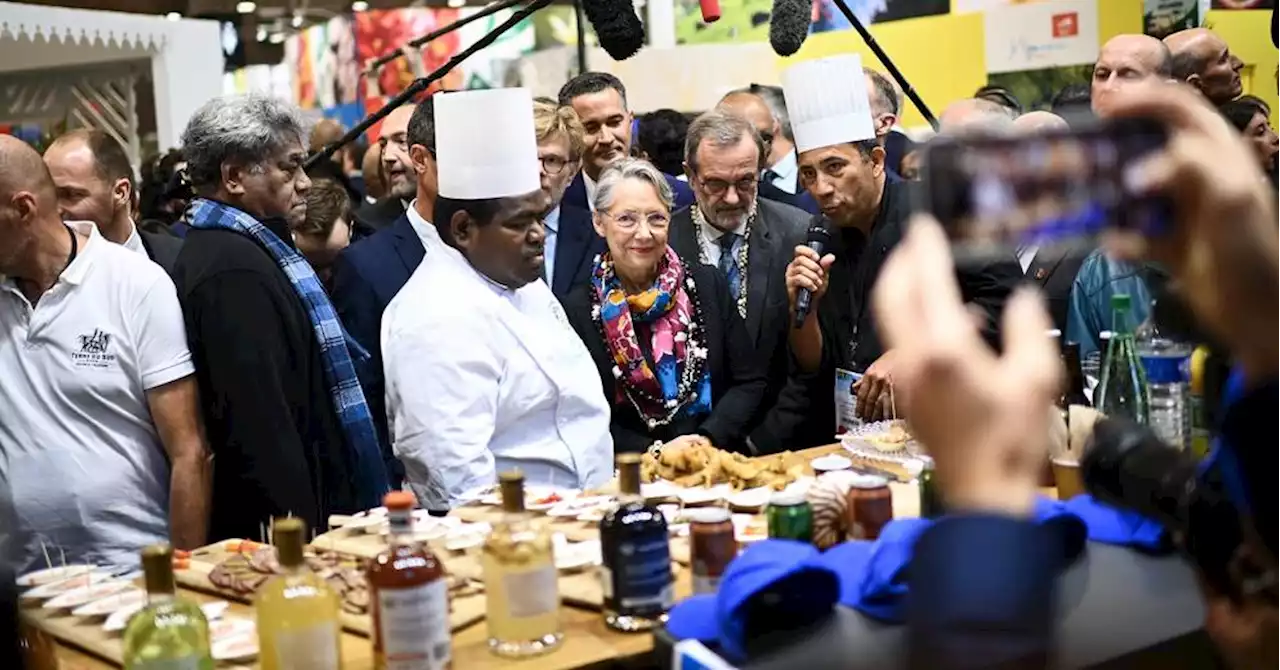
point(1223, 246)
point(981, 416)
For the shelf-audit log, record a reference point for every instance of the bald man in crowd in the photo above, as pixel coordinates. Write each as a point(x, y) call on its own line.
point(1203, 60)
point(974, 116)
point(779, 177)
point(99, 386)
point(1038, 121)
point(1125, 61)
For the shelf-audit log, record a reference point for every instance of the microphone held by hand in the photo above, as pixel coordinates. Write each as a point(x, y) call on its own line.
point(789, 25)
point(619, 30)
point(819, 239)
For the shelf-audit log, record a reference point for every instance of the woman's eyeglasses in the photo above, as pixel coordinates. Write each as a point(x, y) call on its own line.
point(630, 220)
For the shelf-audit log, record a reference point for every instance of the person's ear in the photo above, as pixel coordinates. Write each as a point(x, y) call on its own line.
point(1197, 81)
point(877, 161)
point(597, 222)
point(233, 177)
point(887, 122)
point(122, 193)
point(420, 158)
point(462, 228)
point(688, 171)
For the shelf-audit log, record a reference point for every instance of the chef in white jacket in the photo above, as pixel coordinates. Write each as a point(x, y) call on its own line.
point(484, 373)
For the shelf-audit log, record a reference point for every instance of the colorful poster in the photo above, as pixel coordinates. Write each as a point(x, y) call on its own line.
point(557, 26)
point(1040, 35)
point(322, 59)
point(874, 11)
point(740, 21)
point(492, 66)
point(1161, 18)
point(378, 32)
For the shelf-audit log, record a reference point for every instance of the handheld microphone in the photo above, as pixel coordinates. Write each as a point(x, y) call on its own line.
point(789, 25)
point(710, 10)
point(619, 30)
point(819, 238)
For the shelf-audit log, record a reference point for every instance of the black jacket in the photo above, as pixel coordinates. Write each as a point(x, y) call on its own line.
point(1054, 271)
point(378, 216)
point(777, 231)
point(162, 248)
point(737, 382)
point(278, 445)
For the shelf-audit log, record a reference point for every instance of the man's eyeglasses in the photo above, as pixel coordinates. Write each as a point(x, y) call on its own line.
point(630, 220)
point(744, 186)
point(553, 165)
point(399, 139)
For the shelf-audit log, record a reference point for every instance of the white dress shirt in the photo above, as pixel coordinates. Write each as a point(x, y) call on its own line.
point(787, 170)
point(134, 243)
point(425, 229)
point(590, 185)
point(483, 379)
point(1026, 255)
point(551, 224)
point(709, 239)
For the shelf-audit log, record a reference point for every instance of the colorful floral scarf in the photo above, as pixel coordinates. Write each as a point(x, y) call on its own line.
point(679, 381)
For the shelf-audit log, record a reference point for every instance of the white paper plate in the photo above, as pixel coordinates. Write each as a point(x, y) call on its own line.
point(579, 506)
point(120, 618)
point(467, 536)
point(830, 463)
point(53, 589)
point(752, 499)
point(659, 490)
point(670, 512)
point(235, 640)
point(87, 594)
point(577, 555)
point(51, 575)
point(229, 627)
point(704, 496)
point(110, 604)
point(592, 515)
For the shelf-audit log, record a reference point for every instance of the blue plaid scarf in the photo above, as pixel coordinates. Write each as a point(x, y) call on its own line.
point(339, 371)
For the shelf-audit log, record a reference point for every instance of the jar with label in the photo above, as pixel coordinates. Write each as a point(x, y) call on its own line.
point(870, 507)
point(635, 574)
point(297, 611)
point(522, 595)
point(409, 597)
point(712, 546)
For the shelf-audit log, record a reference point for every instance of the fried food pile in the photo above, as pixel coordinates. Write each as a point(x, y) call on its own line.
point(895, 439)
point(704, 465)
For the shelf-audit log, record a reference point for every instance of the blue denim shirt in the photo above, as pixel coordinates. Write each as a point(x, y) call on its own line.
point(1089, 313)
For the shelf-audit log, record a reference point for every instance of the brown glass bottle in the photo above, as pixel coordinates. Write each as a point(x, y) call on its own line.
point(409, 596)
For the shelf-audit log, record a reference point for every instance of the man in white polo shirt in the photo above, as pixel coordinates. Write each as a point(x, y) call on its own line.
point(100, 441)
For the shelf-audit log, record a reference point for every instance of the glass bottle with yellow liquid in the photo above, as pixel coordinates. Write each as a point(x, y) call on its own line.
point(297, 612)
point(521, 592)
point(168, 633)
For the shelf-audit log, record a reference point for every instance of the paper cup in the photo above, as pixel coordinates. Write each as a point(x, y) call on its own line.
point(1067, 477)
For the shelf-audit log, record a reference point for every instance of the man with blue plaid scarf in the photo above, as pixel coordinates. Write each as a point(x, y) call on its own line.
point(288, 422)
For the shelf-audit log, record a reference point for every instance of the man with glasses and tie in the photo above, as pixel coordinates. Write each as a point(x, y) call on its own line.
point(571, 243)
point(778, 177)
point(750, 240)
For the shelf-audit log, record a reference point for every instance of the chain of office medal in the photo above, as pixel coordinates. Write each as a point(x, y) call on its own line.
point(743, 253)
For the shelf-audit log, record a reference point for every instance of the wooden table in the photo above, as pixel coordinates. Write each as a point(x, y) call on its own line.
point(587, 641)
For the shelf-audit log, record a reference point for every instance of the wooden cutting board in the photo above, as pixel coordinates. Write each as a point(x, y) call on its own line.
point(464, 611)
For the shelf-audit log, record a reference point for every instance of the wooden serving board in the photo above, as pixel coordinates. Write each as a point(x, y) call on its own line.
point(464, 611)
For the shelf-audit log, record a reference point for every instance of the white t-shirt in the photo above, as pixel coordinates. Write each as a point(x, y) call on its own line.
point(78, 449)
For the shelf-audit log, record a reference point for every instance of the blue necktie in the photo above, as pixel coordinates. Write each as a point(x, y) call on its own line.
point(729, 263)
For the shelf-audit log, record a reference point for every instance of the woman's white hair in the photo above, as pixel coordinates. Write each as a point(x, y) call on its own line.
point(632, 168)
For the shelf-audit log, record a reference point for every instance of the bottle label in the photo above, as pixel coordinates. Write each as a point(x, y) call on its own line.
point(192, 662)
point(532, 593)
point(311, 648)
point(641, 575)
point(414, 623)
point(1167, 369)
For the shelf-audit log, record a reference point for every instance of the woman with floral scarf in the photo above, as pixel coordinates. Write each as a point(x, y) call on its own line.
point(673, 354)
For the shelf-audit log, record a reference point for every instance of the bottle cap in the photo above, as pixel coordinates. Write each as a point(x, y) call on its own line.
point(289, 536)
point(870, 482)
point(1120, 301)
point(786, 498)
point(157, 568)
point(511, 483)
point(398, 500)
point(707, 515)
point(628, 473)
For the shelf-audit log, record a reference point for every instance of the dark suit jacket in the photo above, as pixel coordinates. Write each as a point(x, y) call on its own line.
point(163, 248)
point(576, 247)
point(737, 382)
point(777, 231)
point(576, 194)
point(377, 216)
point(800, 199)
point(366, 276)
point(1054, 271)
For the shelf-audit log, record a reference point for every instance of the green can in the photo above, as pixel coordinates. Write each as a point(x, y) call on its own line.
point(790, 517)
point(930, 501)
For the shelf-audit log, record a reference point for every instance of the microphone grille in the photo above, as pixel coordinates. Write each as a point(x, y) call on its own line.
point(789, 25)
point(618, 28)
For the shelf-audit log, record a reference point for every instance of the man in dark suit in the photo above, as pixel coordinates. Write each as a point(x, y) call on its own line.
point(571, 240)
point(751, 241)
point(370, 272)
point(751, 105)
point(397, 170)
point(95, 183)
point(600, 100)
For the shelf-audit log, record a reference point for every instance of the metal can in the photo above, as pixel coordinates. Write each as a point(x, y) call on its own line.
point(870, 507)
point(930, 502)
point(790, 517)
point(712, 546)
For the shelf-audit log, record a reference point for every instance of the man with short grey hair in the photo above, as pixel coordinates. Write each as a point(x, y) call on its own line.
point(291, 432)
point(974, 116)
point(751, 240)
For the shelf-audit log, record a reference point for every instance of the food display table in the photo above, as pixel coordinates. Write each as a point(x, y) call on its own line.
point(588, 641)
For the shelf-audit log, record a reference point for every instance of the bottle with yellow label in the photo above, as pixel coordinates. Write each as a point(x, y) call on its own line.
point(297, 612)
point(1199, 412)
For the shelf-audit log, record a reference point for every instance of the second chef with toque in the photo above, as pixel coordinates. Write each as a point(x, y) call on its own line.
point(483, 372)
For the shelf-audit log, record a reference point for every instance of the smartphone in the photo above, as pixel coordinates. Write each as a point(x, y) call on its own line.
point(997, 193)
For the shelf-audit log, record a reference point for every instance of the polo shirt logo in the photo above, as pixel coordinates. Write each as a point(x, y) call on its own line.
point(93, 350)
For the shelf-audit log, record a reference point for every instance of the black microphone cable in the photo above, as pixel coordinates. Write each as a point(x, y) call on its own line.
point(894, 72)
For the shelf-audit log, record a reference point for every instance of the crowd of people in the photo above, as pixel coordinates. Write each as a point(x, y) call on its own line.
point(501, 282)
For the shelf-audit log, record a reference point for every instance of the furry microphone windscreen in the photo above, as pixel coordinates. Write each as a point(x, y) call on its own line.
point(789, 25)
point(619, 30)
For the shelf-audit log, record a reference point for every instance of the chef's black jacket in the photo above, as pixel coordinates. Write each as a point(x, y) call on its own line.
point(849, 338)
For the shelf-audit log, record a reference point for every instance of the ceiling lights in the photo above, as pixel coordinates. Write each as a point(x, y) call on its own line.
point(246, 7)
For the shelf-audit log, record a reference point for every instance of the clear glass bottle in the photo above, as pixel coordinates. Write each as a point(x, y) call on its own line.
point(409, 597)
point(636, 552)
point(1122, 391)
point(297, 611)
point(522, 594)
point(1167, 364)
point(169, 633)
